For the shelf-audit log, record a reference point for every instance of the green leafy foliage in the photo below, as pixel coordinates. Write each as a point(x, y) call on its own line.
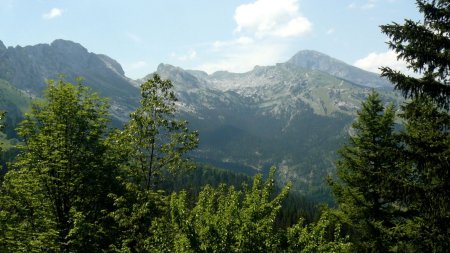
point(323, 236)
point(26, 223)
point(224, 219)
point(153, 146)
point(74, 189)
point(156, 140)
point(62, 155)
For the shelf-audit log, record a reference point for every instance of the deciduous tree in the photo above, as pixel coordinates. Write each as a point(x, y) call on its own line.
point(154, 143)
point(62, 155)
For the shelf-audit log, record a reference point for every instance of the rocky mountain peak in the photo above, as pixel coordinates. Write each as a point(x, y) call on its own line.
point(68, 46)
point(179, 77)
point(313, 60)
point(167, 68)
point(28, 68)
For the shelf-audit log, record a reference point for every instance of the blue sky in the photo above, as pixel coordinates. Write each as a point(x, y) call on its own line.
point(209, 35)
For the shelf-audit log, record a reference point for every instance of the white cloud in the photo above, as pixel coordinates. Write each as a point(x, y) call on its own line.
point(264, 35)
point(330, 31)
point(279, 18)
point(243, 57)
point(53, 13)
point(244, 40)
point(374, 61)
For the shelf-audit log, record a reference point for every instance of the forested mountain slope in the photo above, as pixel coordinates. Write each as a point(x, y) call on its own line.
point(293, 115)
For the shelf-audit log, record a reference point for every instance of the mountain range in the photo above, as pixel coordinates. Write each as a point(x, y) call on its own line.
point(292, 115)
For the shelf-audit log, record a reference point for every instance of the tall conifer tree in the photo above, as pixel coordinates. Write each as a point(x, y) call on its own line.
point(364, 169)
point(423, 188)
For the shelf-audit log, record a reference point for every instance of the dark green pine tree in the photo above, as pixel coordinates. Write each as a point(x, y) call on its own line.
point(425, 47)
point(364, 172)
point(423, 186)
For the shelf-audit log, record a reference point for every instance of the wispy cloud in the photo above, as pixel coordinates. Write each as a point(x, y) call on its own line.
point(53, 13)
point(330, 31)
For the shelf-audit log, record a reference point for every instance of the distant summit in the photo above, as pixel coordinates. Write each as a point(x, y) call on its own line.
point(314, 60)
point(28, 68)
point(68, 46)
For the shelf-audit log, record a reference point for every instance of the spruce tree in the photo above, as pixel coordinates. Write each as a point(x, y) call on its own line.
point(422, 184)
point(425, 46)
point(422, 188)
point(364, 173)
